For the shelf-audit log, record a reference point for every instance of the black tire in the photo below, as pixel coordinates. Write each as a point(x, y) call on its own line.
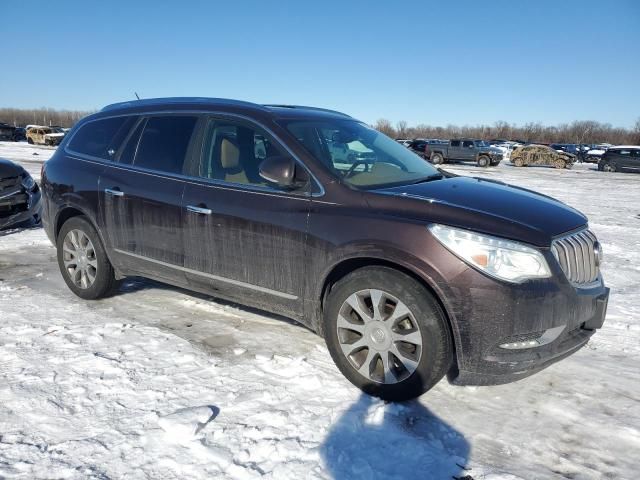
point(609, 167)
point(437, 348)
point(105, 280)
point(30, 141)
point(437, 159)
point(483, 161)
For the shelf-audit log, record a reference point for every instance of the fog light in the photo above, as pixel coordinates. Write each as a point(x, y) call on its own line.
point(546, 337)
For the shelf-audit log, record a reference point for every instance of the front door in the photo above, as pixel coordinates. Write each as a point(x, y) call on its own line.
point(467, 152)
point(244, 238)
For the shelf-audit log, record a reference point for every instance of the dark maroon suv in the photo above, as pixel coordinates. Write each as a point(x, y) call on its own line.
point(408, 272)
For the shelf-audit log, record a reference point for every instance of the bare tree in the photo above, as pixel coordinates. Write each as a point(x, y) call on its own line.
point(383, 125)
point(41, 116)
point(401, 129)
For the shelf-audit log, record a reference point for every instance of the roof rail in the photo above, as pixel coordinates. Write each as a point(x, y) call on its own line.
point(268, 105)
point(158, 101)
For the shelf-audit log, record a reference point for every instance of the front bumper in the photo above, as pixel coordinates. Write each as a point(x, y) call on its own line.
point(490, 313)
point(21, 208)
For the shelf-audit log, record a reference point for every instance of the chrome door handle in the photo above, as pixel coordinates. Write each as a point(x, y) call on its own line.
point(115, 193)
point(200, 210)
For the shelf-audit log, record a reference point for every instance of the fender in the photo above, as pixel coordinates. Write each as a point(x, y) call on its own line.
point(389, 255)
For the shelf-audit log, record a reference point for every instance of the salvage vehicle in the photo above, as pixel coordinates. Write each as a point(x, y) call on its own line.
point(20, 197)
point(465, 149)
point(541, 155)
point(623, 158)
point(409, 273)
point(6, 131)
point(44, 136)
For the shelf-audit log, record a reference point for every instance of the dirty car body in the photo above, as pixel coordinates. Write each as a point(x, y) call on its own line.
point(19, 196)
point(289, 247)
point(541, 155)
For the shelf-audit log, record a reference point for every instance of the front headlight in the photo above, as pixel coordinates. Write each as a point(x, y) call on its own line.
point(504, 259)
point(28, 182)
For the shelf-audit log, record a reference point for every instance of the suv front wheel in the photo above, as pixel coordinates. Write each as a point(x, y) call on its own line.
point(387, 333)
point(83, 261)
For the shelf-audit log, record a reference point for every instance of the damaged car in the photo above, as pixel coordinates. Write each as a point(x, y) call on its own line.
point(19, 196)
point(44, 136)
point(409, 273)
point(541, 155)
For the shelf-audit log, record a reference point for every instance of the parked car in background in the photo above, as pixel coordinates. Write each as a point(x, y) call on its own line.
point(595, 152)
point(622, 158)
point(526, 155)
point(6, 131)
point(506, 147)
point(409, 273)
point(421, 146)
point(20, 134)
point(465, 149)
point(44, 136)
point(19, 196)
point(403, 141)
point(571, 148)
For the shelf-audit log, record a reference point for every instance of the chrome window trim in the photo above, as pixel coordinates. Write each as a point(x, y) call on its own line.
point(195, 180)
point(231, 281)
point(210, 113)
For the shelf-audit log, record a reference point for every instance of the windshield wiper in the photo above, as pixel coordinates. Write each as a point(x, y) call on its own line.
point(435, 176)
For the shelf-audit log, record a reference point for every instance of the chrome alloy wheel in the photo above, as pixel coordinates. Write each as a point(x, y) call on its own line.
point(379, 336)
point(79, 257)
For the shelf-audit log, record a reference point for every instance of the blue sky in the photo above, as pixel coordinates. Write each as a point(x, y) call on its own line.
point(423, 62)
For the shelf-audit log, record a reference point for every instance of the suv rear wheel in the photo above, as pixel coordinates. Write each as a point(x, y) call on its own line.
point(609, 167)
point(82, 260)
point(387, 334)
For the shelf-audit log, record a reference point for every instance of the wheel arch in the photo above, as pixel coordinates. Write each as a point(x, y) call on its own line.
point(348, 265)
point(70, 211)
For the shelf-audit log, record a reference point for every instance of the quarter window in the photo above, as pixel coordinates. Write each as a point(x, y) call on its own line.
point(97, 138)
point(164, 141)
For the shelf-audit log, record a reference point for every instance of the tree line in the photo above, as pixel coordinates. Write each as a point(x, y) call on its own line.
point(584, 131)
point(20, 117)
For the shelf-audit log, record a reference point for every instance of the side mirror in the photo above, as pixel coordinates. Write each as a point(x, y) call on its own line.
point(279, 170)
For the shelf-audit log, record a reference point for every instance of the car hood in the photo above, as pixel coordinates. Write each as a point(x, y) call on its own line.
point(9, 169)
point(486, 206)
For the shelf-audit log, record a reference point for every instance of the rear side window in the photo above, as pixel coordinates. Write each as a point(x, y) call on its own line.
point(164, 141)
point(97, 138)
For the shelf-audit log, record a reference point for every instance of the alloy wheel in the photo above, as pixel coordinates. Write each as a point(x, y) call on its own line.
point(79, 257)
point(379, 336)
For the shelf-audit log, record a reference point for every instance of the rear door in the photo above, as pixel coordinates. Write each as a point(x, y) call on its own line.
point(142, 197)
point(622, 158)
point(244, 237)
point(634, 161)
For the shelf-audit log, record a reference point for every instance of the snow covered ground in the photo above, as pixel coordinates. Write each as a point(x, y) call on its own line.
point(157, 382)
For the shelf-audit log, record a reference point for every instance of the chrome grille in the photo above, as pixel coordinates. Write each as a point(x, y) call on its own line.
point(578, 257)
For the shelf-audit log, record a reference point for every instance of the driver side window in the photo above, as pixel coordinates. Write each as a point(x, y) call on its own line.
point(233, 151)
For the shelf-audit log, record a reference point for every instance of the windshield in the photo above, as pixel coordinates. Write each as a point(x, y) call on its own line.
point(360, 155)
